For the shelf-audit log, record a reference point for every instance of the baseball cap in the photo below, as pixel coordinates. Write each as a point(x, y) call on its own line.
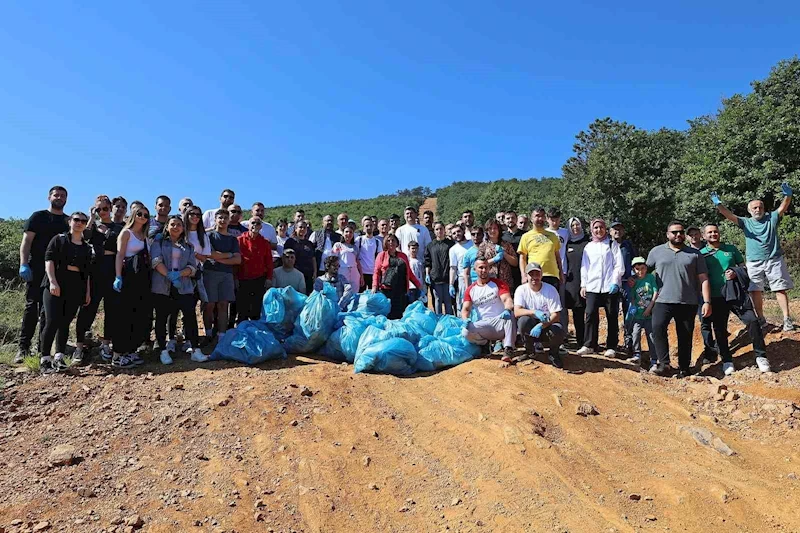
point(533, 266)
point(617, 223)
point(287, 251)
point(638, 261)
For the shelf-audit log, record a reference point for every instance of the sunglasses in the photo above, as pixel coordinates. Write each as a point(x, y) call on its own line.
point(79, 220)
point(142, 215)
point(227, 196)
point(194, 215)
point(103, 209)
point(235, 211)
point(678, 232)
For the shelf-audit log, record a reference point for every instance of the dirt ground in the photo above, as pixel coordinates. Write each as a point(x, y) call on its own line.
point(306, 445)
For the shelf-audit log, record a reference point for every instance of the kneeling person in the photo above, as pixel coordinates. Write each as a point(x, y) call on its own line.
point(492, 302)
point(537, 307)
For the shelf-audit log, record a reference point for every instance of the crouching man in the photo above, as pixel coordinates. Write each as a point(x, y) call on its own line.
point(490, 298)
point(537, 307)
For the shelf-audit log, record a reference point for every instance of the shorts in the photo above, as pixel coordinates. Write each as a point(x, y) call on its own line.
point(773, 271)
point(219, 286)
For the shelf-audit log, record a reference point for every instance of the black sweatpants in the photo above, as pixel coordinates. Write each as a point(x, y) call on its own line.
point(134, 314)
point(720, 312)
point(102, 282)
point(167, 308)
point(609, 302)
point(553, 335)
point(60, 310)
point(249, 298)
point(34, 312)
point(579, 321)
point(684, 315)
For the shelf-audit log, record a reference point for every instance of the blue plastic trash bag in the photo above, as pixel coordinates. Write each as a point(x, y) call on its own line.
point(436, 353)
point(371, 303)
point(293, 301)
point(390, 356)
point(417, 312)
point(448, 326)
point(343, 343)
point(315, 323)
point(379, 321)
point(250, 343)
point(405, 329)
point(273, 310)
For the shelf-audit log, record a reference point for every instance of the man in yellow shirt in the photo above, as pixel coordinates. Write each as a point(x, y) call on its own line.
point(543, 247)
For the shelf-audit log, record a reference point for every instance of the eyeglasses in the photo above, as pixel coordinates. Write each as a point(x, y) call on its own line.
point(227, 196)
point(142, 215)
point(235, 212)
point(79, 220)
point(678, 232)
point(194, 215)
point(103, 209)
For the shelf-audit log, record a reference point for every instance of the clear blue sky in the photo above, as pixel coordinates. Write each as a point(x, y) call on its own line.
point(290, 102)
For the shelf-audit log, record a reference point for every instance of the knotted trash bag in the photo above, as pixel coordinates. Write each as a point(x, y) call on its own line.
point(421, 315)
point(436, 352)
point(250, 343)
point(390, 356)
point(280, 308)
point(315, 323)
point(371, 303)
point(448, 326)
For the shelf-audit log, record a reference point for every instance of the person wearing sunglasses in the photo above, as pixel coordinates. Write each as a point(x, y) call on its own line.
point(226, 198)
point(682, 278)
point(196, 235)
point(38, 230)
point(101, 233)
point(235, 226)
point(184, 204)
point(66, 263)
point(254, 273)
point(132, 282)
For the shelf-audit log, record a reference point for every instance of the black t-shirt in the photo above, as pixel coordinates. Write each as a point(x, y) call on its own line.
point(102, 242)
point(45, 225)
point(513, 238)
point(237, 229)
point(63, 253)
point(304, 254)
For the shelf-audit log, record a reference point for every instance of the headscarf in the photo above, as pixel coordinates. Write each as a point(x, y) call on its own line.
point(591, 225)
point(575, 237)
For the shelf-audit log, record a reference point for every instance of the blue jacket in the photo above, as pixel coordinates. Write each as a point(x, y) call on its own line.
point(161, 252)
point(628, 253)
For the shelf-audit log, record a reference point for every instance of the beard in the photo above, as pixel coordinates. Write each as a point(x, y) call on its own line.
point(58, 203)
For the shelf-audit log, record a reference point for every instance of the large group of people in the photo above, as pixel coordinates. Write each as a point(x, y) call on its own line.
point(514, 280)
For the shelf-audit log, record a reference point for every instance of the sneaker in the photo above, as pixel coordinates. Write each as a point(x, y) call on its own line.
point(763, 364)
point(21, 355)
point(105, 352)
point(538, 348)
point(77, 357)
point(610, 353)
point(653, 368)
point(165, 358)
point(727, 369)
point(555, 359)
point(122, 361)
point(788, 325)
point(683, 373)
point(198, 356)
point(498, 346)
point(136, 359)
point(46, 365)
point(637, 357)
point(187, 347)
point(584, 350)
point(172, 346)
point(59, 364)
point(661, 369)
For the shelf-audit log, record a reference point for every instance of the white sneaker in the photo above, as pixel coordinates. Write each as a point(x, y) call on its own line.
point(584, 350)
point(172, 346)
point(788, 325)
point(727, 369)
point(610, 353)
point(187, 347)
point(165, 358)
point(763, 364)
point(198, 356)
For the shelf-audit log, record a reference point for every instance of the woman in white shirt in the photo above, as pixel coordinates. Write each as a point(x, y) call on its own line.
point(196, 235)
point(348, 262)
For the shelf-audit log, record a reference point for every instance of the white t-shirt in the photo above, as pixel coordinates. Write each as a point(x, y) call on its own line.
point(457, 252)
point(546, 299)
point(486, 299)
point(563, 237)
point(368, 248)
point(346, 253)
point(418, 269)
point(412, 233)
point(194, 241)
point(208, 218)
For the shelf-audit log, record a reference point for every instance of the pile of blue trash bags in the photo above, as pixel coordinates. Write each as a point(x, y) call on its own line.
point(290, 322)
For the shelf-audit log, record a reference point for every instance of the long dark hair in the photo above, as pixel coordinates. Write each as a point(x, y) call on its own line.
point(165, 232)
point(201, 232)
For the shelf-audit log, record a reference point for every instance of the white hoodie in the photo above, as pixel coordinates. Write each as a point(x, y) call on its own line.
point(601, 266)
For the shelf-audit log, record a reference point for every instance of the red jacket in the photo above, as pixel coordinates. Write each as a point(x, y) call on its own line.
point(382, 264)
point(256, 257)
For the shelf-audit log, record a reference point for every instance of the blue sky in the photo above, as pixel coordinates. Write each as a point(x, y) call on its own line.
point(291, 102)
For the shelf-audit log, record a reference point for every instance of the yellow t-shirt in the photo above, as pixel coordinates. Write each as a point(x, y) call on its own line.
point(541, 247)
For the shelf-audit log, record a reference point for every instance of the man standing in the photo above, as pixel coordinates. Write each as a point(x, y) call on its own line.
point(523, 223)
point(492, 302)
point(267, 229)
point(184, 204)
point(437, 271)
point(119, 209)
point(254, 271)
point(695, 237)
point(287, 275)
point(412, 232)
point(682, 278)
point(226, 198)
point(765, 261)
point(628, 252)
point(457, 253)
point(427, 220)
point(163, 207)
point(537, 307)
point(383, 230)
point(543, 247)
point(513, 235)
point(722, 261)
point(394, 223)
point(218, 274)
point(342, 221)
point(323, 240)
point(235, 226)
point(299, 215)
point(500, 217)
point(554, 225)
point(468, 221)
point(38, 230)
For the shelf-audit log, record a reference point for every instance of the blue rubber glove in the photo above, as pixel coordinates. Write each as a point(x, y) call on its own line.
point(172, 275)
point(26, 273)
point(541, 315)
point(537, 330)
point(427, 279)
point(506, 315)
point(786, 188)
point(452, 292)
point(498, 250)
point(715, 198)
point(614, 288)
point(118, 284)
point(632, 310)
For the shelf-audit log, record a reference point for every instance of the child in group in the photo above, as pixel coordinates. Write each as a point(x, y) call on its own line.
point(644, 292)
point(418, 268)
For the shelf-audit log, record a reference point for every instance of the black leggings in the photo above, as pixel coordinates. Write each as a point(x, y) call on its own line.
point(610, 303)
point(134, 313)
point(684, 315)
point(60, 310)
point(399, 301)
point(167, 308)
point(579, 321)
point(102, 290)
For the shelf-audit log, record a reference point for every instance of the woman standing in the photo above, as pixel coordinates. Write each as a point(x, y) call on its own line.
point(133, 283)
point(174, 266)
point(393, 276)
point(504, 259)
point(67, 261)
point(577, 303)
point(348, 260)
point(304, 251)
point(601, 276)
point(196, 235)
point(102, 237)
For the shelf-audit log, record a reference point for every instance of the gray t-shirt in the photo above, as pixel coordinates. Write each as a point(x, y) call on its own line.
point(676, 274)
point(292, 278)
